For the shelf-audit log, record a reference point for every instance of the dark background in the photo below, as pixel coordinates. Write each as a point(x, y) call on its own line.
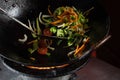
point(109, 52)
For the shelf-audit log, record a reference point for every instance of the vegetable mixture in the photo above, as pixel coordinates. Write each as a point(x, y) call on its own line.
point(66, 25)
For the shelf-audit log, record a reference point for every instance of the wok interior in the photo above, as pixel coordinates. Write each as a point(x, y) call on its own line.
point(29, 9)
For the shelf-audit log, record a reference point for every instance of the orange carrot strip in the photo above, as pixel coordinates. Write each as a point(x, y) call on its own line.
point(80, 49)
point(76, 49)
point(56, 22)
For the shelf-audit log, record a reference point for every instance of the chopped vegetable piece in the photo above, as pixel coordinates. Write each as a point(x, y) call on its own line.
point(53, 29)
point(60, 33)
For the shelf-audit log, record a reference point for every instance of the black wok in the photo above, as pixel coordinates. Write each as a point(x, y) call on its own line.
point(29, 9)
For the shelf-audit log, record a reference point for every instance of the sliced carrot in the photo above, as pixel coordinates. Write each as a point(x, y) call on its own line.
point(76, 49)
point(56, 22)
point(67, 13)
point(81, 48)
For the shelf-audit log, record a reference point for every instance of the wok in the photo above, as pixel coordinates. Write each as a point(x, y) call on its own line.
point(23, 10)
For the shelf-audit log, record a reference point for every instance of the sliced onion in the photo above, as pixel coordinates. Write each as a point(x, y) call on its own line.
point(24, 39)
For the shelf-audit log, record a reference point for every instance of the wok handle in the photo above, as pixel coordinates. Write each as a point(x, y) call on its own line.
point(95, 46)
point(102, 42)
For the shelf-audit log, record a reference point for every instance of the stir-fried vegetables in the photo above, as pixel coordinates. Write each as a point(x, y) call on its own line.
point(66, 22)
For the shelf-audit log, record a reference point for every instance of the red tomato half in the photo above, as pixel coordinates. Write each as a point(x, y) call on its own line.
point(42, 50)
point(47, 32)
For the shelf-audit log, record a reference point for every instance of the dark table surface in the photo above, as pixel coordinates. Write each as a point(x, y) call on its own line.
point(98, 70)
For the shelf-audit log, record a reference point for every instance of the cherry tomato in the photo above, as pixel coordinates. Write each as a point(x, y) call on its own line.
point(47, 32)
point(42, 50)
